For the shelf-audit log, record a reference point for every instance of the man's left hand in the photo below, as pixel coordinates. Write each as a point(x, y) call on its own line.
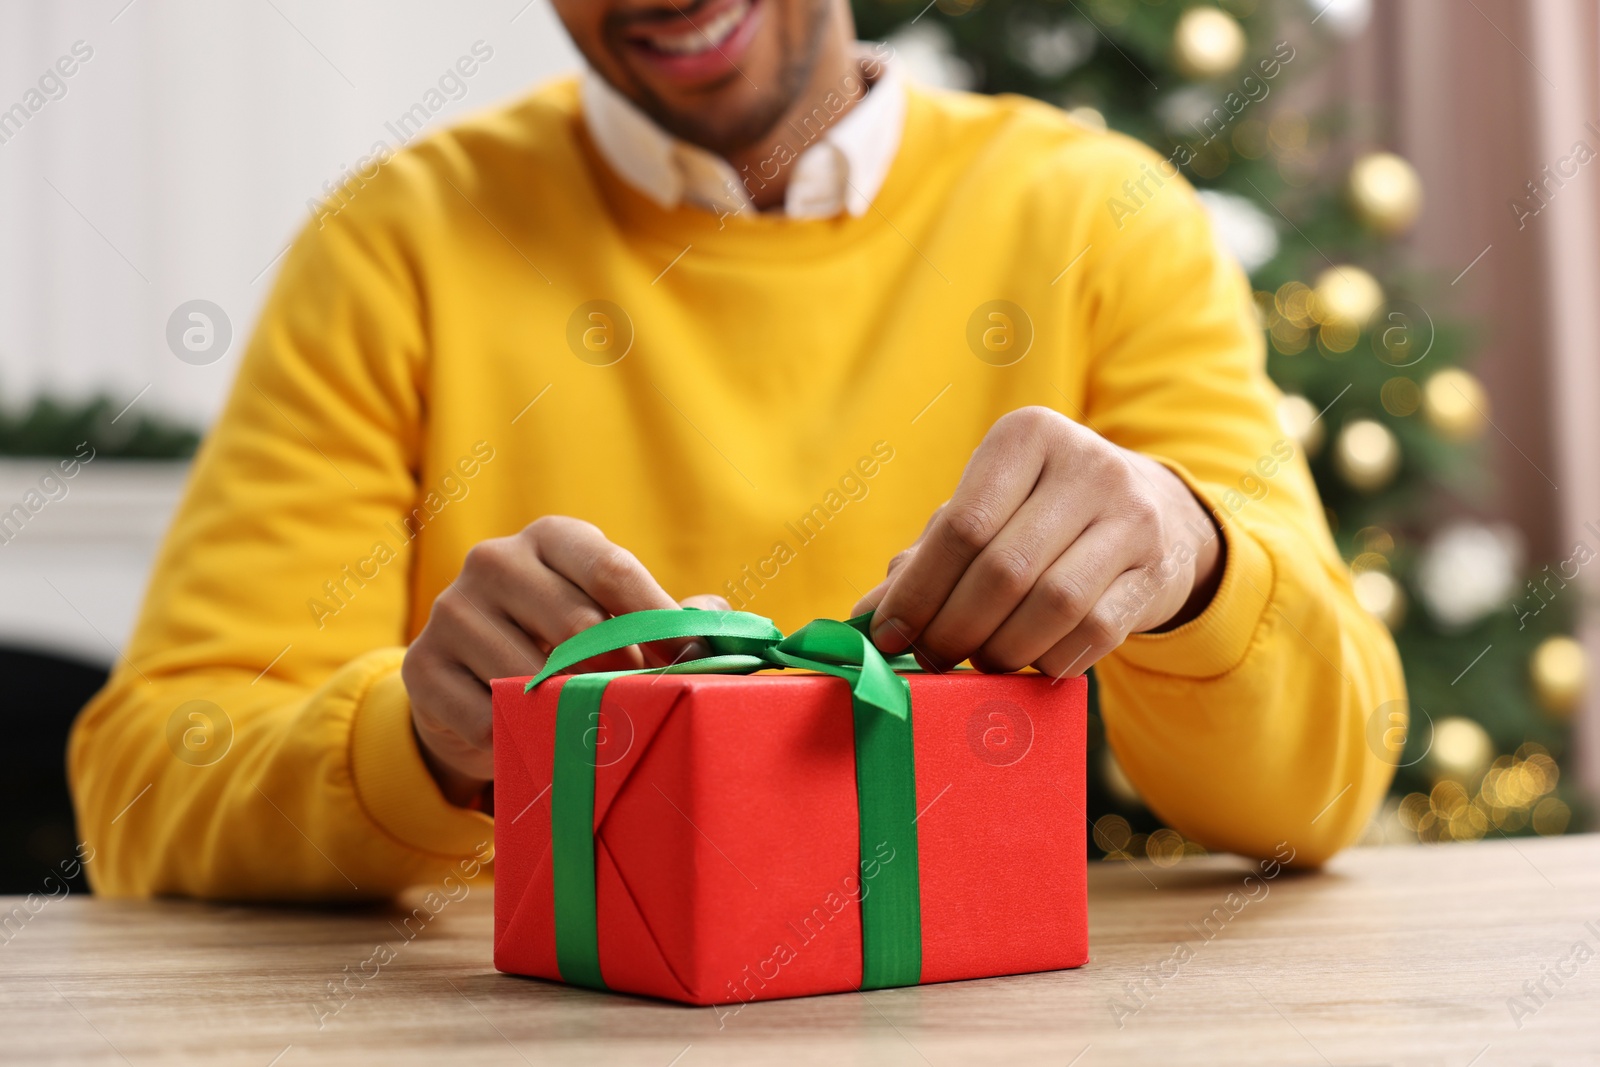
point(1055, 546)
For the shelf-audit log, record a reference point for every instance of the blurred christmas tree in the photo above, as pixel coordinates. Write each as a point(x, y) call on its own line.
point(1373, 390)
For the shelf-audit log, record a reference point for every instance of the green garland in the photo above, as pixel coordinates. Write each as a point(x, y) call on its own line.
point(55, 428)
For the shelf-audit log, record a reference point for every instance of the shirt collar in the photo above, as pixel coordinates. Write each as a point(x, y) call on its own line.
point(841, 171)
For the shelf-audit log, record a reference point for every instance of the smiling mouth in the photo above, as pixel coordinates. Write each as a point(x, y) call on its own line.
point(684, 37)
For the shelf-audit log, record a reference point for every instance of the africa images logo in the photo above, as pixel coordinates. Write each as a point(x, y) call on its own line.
point(1000, 732)
point(600, 333)
point(1000, 333)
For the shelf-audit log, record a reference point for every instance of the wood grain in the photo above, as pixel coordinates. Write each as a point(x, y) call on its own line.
point(1396, 956)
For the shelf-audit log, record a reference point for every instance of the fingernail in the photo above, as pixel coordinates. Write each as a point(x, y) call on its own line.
point(889, 636)
point(695, 650)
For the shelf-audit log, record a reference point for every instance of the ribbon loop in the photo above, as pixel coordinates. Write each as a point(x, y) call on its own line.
point(728, 633)
point(843, 650)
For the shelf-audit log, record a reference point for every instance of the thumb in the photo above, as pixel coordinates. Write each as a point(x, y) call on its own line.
point(706, 602)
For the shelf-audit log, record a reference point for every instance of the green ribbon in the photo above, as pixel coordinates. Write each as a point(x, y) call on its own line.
point(741, 643)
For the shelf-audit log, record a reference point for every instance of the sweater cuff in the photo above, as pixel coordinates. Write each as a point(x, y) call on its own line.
point(1216, 641)
point(393, 783)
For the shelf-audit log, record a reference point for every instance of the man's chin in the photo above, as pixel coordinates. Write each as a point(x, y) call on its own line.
point(728, 113)
point(722, 113)
point(725, 127)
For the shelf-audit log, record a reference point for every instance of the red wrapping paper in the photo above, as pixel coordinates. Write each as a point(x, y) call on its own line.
point(728, 860)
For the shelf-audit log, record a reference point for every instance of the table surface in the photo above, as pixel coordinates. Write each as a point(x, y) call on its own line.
point(1397, 956)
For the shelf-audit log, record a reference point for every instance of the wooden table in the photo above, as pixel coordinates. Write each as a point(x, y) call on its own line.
point(1397, 956)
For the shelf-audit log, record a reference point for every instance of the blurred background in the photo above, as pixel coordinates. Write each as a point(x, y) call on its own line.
point(1408, 184)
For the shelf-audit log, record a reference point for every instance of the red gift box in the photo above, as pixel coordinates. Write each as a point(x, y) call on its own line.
point(728, 861)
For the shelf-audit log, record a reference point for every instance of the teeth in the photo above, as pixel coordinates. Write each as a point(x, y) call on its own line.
point(709, 36)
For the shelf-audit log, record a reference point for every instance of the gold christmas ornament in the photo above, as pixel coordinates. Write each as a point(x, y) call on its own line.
point(1400, 396)
point(1550, 817)
point(1348, 296)
point(1461, 751)
point(1455, 404)
point(1376, 541)
point(1298, 417)
point(1207, 43)
point(1385, 193)
point(1113, 835)
point(1382, 596)
point(1165, 847)
point(1559, 673)
point(1366, 455)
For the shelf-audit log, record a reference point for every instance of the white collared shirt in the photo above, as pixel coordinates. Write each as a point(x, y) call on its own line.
point(842, 171)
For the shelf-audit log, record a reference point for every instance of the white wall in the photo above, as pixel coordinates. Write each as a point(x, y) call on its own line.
point(74, 571)
point(179, 161)
point(176, 166)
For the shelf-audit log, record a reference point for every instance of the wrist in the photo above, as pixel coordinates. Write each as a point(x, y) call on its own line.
point(1200, 539)
point(460, 789)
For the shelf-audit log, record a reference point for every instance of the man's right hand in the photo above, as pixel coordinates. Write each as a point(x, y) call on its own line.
point(516, 598)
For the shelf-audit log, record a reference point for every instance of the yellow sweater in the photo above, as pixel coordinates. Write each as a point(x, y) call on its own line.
point(793, 399)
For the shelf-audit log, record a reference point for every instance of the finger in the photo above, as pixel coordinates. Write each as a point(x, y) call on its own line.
point(609, 575)
point(612, 576)
point(1101, 631)
point(505, 579)
point(1060, 599)
point(1001, 474)
point(706, 602)
point(489, 642)
point(566, 611)
point(1005, 573)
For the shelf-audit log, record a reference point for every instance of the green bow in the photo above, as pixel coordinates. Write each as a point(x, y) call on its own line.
point(741, 643)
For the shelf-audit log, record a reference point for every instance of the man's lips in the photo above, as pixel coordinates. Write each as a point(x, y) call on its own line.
point(698, 47)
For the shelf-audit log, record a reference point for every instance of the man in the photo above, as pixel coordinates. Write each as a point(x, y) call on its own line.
point(736, 317)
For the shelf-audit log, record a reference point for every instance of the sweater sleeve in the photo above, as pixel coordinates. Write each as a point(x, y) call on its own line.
point(1246, 728)
point(255, 741)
